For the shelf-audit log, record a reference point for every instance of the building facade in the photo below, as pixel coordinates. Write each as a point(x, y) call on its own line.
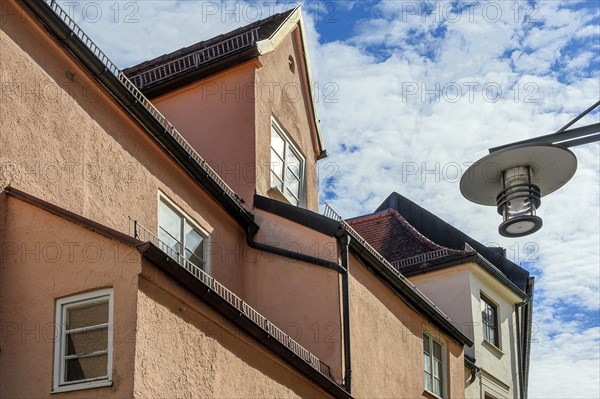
point(489, 297)
point(169, 247)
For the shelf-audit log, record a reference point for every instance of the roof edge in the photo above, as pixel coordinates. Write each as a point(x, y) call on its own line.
point(405, 290)
point(71, 216)
point(238, 317)
point(135, 104)
point(268, 45)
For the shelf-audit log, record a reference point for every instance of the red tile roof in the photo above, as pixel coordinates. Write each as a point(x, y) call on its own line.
point(396, 240)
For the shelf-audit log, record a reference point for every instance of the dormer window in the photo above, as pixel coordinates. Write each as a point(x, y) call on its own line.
point(287, 166)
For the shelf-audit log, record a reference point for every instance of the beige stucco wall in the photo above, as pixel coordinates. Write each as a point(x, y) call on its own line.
point(211, 358)
point(284, 95)
point(464, 284)
point(216, 116)
point(227, 118)
point(302, 298)
point(44, 258)
point(499, 376)
point(387, 343)
point(78, 149)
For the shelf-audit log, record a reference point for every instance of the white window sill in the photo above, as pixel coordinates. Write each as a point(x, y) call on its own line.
point(82, 386)
point(493, 348)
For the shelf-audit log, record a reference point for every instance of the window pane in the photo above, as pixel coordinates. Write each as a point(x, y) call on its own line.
point(437, 351)
point(87, 315)
point(171, 245)
point(277, 143)
point(276, 165)
point(193, 239)
point(293, 163)
point(293, 187)
point(84, 342)
point(428, 384)
point(169, 221)
point(276, 181)
point(428, 364)
point(86, 368)
point(426, 343)
point(437, 387)
point(437, 369)
point(194, 246)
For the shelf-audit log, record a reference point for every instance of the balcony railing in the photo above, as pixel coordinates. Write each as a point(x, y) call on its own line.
point(330, 213)
point(196, 59)
point(133, 90)
point(139, 232)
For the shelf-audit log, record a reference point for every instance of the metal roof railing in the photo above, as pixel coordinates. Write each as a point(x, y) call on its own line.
point(195, 59)
point(330, 213)
point(133, 90)
point(422, 258)
point(141, 233)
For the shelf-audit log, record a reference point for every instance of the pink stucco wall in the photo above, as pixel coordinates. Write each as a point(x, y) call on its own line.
point(387, 343)
point(45, 258)
point(210, 357)
point(216, 116)
point(285, 96)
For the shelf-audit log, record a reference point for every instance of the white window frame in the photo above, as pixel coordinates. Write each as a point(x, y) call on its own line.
point(484, 298)
point(195, 225)
point(62, 305)
point(288, 146)
point(444, 360)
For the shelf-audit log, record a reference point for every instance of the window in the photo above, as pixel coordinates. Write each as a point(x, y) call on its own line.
point(179, 235)
point(434, 365)
point(287, 166)
point(489, 316)
point(83, 348)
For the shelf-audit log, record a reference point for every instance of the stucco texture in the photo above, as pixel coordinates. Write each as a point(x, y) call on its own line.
point(209, 358)
point(387, 343)
point(79, 150)
point(289, 104)
point(45, 257)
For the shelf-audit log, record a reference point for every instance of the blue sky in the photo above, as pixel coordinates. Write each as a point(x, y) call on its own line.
point(410, 93)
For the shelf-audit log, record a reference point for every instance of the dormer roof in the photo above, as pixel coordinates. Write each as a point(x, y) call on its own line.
point(181, 67)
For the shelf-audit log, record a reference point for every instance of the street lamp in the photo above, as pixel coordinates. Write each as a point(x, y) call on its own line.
point(514, 177)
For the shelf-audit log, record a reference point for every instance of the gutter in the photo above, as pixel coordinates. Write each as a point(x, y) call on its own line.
point(240, 319)
point(250, 233)
point(527, 320)
point(519, 348)
point(326, 225)
point(99, 68)
point(411, 296)
point(470, 362)
point(344, 241)
point(162, 87)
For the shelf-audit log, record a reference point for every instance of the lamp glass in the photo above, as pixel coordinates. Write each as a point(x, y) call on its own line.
point(518, 202)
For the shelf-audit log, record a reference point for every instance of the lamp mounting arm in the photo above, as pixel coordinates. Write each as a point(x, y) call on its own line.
point(563, 137)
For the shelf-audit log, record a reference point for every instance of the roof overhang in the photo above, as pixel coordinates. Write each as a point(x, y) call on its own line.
point(268, 45)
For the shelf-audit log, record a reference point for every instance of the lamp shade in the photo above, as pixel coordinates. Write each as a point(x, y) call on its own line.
point(514, 180)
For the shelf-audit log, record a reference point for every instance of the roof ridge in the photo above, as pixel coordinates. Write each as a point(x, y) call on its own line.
point(208, 41)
